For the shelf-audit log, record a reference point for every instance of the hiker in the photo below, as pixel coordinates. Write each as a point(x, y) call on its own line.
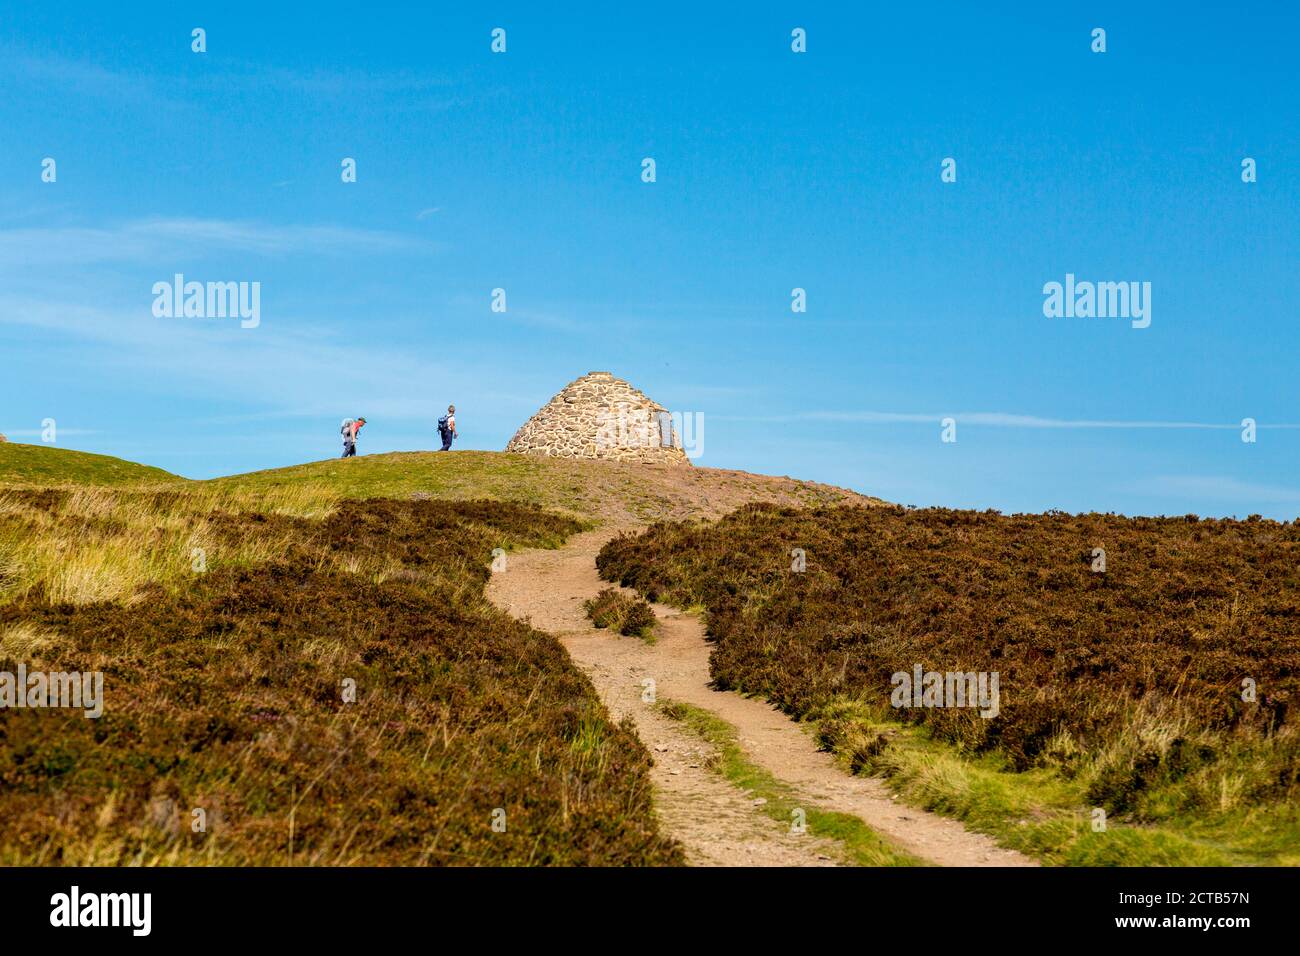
point(351, 428)
point(447, 427)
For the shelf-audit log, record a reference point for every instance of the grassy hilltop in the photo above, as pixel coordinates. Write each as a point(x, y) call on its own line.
point(596, 490)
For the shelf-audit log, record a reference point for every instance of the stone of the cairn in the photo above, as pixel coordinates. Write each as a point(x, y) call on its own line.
point(600, 416)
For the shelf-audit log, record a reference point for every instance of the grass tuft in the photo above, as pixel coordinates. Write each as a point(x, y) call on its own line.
point(628, 615)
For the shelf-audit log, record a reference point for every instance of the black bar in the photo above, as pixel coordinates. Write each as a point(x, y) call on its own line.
point(331, 906)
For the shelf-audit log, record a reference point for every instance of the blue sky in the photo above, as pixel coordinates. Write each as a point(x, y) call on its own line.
point(775, 170)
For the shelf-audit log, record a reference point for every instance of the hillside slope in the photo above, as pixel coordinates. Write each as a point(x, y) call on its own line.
point(1127, 688)
point(315, 669)
point(313, 691)
point(43, 465)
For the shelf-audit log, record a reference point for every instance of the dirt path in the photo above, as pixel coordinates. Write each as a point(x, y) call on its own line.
point(712, 819)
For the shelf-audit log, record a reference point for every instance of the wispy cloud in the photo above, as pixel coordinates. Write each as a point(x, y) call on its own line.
point(335, 82)
point(79, 76)
point(289, 370)
point(157, 239)
point(40, 432)
point(990, 419)
point(543, 320)
point(408, 90)
point(533, 318)
point(708, 391)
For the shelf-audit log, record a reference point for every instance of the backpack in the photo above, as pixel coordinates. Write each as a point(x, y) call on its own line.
point(346, 429)
point(443, 427)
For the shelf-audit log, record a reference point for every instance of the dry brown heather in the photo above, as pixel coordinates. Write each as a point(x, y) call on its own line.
point(224, 691)
point(1132, 677)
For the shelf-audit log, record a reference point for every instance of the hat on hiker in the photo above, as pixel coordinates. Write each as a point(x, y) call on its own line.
point(361, 418)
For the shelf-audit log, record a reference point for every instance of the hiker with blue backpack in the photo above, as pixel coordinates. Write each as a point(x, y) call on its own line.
point(447, 427)
point(350, 429)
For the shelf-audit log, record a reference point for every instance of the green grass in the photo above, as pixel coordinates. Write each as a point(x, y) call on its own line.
point(860, 845)
point(588, 490)
point(43, 465)
point(456, 475)
point(576, 488)
point(1041, 812)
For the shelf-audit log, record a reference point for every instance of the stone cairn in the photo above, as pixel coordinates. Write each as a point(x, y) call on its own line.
point(600, 416)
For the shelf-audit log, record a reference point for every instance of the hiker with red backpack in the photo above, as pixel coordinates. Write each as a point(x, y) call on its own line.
point(447, 427)
point(351, 428)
